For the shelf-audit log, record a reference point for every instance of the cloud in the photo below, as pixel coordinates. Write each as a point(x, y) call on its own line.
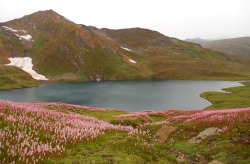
point(177, 18)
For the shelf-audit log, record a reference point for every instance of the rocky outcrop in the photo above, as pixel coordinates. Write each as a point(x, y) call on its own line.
point(204, 134)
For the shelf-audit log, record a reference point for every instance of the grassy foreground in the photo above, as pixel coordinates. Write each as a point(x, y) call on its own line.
point(63, 133)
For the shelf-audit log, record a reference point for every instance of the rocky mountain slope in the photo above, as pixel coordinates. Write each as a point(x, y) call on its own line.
point(238, 46)
point(63, 51)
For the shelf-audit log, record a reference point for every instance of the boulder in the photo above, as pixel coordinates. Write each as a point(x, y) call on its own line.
point(204, 134)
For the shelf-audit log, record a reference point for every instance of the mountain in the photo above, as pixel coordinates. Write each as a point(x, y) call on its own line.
point(166, 57)
point(238, 46)
point(63, 51)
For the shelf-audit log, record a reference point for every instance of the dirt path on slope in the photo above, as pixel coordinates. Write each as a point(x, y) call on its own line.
point(164, 131)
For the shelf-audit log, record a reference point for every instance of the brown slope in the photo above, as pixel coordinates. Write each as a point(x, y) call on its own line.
point(4, 55)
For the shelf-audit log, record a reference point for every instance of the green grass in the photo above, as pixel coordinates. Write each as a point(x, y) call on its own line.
point(157, 117)
point(191, 149)
point(54, 50)
point(117, 147)
point(104, 115)
point(129, 121)
point(109, 66)
point(238, 97)
point(12, 77)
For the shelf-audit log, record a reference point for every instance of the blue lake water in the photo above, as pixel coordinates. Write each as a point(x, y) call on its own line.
point(135, 95)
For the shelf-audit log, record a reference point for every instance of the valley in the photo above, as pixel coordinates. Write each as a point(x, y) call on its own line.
point(73, 93)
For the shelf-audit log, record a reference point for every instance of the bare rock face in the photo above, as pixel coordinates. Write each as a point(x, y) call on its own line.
point(206, 133)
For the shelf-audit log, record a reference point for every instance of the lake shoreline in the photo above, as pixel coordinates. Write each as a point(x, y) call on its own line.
point(233, 97)
point(158, 88)
point(222, 91)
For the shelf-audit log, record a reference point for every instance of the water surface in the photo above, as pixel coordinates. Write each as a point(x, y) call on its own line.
point(135, 95)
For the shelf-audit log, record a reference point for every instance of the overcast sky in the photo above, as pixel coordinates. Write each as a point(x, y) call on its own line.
point(209, 19)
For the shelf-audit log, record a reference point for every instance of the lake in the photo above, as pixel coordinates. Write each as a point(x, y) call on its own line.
point(133, 96)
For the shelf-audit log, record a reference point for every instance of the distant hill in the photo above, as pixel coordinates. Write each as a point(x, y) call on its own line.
point(238, 46)
point(66, 52)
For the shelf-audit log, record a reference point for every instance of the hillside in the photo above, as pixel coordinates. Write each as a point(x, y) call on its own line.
point(237, 46)
point(165, 57)
point(64, 133)
point(63, 51)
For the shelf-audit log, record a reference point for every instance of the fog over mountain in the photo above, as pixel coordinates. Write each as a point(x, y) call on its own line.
point(238, 46)
point(180, 18)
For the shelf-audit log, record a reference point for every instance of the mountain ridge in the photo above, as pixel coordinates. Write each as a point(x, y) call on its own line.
point(66, 52)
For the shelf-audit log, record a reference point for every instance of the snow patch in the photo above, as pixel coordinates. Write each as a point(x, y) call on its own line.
point(26, 37)
point(25, 63)
point(126, 49)
point(132, 61)
point(9, 28)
